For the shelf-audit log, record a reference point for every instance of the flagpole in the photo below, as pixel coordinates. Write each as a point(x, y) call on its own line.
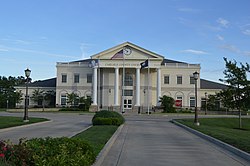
point(123, 79)
point(148, 87)
point(99, 87)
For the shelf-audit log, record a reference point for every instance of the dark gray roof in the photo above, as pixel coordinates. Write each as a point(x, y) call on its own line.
point(44, 83)
point(205, 84)
point(170, 61)
point(84, 60)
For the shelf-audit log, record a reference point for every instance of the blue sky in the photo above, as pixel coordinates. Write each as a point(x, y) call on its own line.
point(37, 34)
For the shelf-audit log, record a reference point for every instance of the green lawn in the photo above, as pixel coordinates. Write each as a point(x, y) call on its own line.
point(224, 129)
point(9, 121)
point(97, 136)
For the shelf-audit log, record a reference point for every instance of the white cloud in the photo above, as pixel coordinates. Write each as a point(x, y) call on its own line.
point(224, 23)
point(197, 52)
point(37, 52)
point(219, 37)
point(230, 48)
point(186, 9)
point(3, 50)
point(247, 53)
point(246, 32)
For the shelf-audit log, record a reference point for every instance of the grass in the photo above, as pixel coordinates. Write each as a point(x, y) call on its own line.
point(97, 136)
point(9, 121)
point(224, 129)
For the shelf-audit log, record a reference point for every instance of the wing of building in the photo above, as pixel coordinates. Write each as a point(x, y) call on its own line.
point(141, 75)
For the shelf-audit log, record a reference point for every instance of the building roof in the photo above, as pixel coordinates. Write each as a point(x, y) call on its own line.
point(170, 61)
point(205, 84)
point(44, 83)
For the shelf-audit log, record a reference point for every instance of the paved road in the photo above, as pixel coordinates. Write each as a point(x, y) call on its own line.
point(61, 124)
point(153, 140)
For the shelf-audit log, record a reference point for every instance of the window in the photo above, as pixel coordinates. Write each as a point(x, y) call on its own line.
point(128, 80)
point(63, 99)
point(179, 79)
point(76, 78)
point(192, 101)
point(64, 78)
point(191, 79)
point(166, 79)
point(128, 92)
point(89, 78)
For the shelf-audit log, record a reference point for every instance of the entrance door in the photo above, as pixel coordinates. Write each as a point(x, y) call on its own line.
point(127, 103)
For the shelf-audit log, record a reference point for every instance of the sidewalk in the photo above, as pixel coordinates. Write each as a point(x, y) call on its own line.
point(153, 140)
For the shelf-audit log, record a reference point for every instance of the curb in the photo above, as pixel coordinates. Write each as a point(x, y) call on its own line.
point(25, 125)
point(215, 141)
point(106, 148)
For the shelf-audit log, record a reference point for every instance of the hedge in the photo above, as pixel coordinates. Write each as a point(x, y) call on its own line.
point(52, 152)
point(108, 118)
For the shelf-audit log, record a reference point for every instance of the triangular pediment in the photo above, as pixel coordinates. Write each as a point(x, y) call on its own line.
point(137, 53)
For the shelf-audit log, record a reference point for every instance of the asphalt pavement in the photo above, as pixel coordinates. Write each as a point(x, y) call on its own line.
point(60, 124)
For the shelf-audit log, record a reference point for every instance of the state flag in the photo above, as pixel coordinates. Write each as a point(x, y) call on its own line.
point(144, 64)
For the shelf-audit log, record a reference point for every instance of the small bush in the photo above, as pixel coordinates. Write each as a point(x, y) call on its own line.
point(108, 118)
point(51, 152)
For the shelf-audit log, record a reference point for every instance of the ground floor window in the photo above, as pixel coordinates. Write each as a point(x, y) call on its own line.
point(192, 101)
point(63, 100)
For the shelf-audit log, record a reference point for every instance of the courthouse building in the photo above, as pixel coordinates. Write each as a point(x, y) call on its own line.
point(141, 75)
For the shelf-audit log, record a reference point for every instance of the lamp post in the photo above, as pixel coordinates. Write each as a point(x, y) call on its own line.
point(196, 76)
point(206, 103)
point(27, 74)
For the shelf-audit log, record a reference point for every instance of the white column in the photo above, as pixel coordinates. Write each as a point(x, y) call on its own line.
point(116, 86)
point(138, 86)
point(158, 95)
point(94, 86)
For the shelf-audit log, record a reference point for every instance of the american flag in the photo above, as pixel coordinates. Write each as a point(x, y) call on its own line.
point(118, 55)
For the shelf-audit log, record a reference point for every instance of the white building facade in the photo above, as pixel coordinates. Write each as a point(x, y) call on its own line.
point(106, 76)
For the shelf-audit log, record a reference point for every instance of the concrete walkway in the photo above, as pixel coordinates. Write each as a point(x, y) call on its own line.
point(153, 140)
point(60, 124)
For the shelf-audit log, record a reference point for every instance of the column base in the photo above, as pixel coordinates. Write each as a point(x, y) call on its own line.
point(93, 108)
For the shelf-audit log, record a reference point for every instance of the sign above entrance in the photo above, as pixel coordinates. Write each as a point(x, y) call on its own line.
point(127, 63)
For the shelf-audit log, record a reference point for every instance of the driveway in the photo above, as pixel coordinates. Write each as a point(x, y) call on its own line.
point(153, 140)
point(60, 124)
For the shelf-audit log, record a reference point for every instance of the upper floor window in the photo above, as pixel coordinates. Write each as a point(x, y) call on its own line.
point(89, 78)
point(179, 79)
point(166, 79)
point(191, 79)
point(76, 78)
point(64, 78)
point(128, 92)
point(128, 80)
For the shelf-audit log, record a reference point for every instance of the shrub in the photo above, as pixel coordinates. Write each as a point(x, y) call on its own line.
point(61, 151)
point(108, 118)
point(168, 104)
point(52, 152)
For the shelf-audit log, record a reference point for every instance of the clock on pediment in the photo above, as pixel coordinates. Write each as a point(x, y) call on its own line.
point(127, 51)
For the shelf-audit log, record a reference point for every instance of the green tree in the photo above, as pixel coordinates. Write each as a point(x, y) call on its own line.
point(72, 98)
point(213, 103)
point(237, 94)
point(50, 97)
point(168, 103)
point(7, 90)
point(37, 96)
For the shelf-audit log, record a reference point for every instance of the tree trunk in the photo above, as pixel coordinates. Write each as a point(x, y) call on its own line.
point(240, 124)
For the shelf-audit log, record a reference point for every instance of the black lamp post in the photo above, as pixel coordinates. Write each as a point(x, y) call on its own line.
point(27, 74)
point(196, 76)
point(206, 103)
